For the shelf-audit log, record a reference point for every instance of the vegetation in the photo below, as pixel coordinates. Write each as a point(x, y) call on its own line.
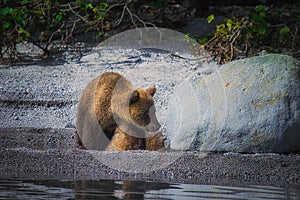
point(236, 38)
point(41, 22)
point(52, 25)
point(230, 40)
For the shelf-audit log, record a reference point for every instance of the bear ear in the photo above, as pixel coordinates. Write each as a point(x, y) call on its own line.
point(151, 90)
point(134, 97)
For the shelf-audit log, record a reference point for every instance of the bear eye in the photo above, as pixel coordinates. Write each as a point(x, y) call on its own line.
point(141, 111)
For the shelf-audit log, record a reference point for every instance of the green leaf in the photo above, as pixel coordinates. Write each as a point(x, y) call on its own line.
point(37, 12)
point(106, 35)
point(260, 8)
point(255, 28)
point(262, 14)
point(186, 37)
point(258, 18)
point(104, 5)
point(6, 11)
point(5, 25)
point(27, 34)
point(89, 6)
point(20, 19)
point(20, 39)
point(20, 30)
point(95, 10)
point(23, 2)
point(205, 39)
point(284, 31)
point(11, 11)
point(98, 33)
point(229, 23)
point(48, 4)
point(23, 31)
point(59, 16)
point(262, 30)
point(210, 18)
point(220, 27)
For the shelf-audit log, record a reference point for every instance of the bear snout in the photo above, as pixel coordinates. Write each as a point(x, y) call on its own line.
point(153, 126)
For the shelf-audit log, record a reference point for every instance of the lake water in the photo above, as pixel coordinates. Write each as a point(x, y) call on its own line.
point(107, 189)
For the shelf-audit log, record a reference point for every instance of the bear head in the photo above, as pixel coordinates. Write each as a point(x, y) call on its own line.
point(142, 109)
point(134, 114)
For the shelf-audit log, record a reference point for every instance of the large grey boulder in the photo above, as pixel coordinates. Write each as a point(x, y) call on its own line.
point(250, 105)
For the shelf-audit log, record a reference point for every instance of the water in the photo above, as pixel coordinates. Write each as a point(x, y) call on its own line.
point(109, 189)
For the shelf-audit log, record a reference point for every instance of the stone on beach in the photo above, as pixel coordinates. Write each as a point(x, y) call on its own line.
point(250, 105)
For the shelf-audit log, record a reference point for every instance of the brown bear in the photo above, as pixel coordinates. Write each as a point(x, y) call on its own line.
point(113, 115)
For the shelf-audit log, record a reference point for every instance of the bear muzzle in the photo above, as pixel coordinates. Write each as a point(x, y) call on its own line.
point(153, 126)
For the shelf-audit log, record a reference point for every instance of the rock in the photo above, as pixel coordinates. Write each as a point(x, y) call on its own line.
point(250, 105)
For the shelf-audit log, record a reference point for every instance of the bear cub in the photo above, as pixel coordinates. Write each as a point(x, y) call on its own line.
point(113, 115)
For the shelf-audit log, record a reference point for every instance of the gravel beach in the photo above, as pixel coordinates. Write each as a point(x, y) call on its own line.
point(63, 163)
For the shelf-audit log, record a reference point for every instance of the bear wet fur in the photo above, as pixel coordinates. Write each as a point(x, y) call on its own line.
point(113, 115)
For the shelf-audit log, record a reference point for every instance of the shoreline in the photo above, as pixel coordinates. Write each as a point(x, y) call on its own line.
point(33, 163)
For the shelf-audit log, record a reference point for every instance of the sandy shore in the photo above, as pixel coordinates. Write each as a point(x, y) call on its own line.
point(42, 154)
